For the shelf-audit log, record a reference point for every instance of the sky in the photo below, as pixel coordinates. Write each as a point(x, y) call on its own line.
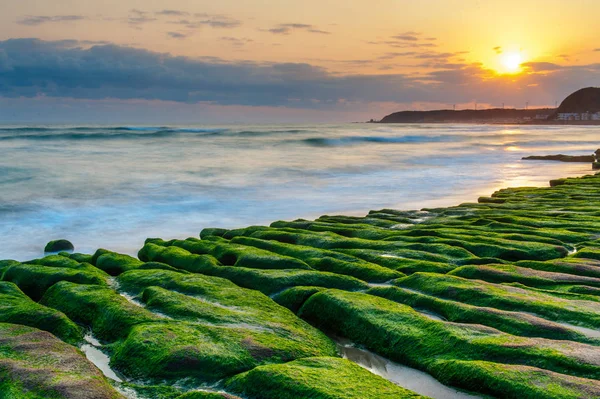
point(267, 61)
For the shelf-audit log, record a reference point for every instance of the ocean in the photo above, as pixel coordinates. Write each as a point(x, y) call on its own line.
point(114, 186)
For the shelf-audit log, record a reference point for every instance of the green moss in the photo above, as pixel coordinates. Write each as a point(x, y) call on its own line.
point(110, 315)
point(514, 381)
point(229, 254)
point(323, 260)
point(34, 280)
point(150, 391)
point(266, 281)
point(526, 276)
point(293, 298)
point(504, 297)
point(81, 258)
point(218, 301)
point(56, 261)
point(516, 323)
point(34, 365)
point(588, 253)
point(114, 263)
point(318, 378)
point(400, 333)
point(207, 395)
point(175, 351)
point(59, 245)
point(577, 267)
point(17, 308)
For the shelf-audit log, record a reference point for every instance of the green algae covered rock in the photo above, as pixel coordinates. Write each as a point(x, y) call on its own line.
point(293, 298)
point(36, 365)
point(266, 281)
point(207, 395)
point(114, 263)
point(318, 378)
point(504, 297)
point(404, 335)
point(328, 261)
point(512, 322)
point(499, 297)
point(515, 381)
point(35, 279)
point(59, 246)
point(110, 315)
point(17, 308)
point(188, 327)
point(220, 302)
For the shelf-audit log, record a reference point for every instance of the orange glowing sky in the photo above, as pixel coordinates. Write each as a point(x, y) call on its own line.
point(506, 47)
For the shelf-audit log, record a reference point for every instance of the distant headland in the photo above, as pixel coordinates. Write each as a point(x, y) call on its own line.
point(580, 108)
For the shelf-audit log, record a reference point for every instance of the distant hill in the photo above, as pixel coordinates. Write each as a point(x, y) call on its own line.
point(584, 100)
point(499, 115)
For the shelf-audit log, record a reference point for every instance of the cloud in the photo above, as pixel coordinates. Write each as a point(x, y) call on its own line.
point(214, 21)
point(406, 37)
point(498, 49)
point(177, 35)
point(541, 66)
point(172, 13)
point(286, 29)
point(35, 20)
point(235, 41)
point(407, 40)
point(32, 68)
point(138, 17)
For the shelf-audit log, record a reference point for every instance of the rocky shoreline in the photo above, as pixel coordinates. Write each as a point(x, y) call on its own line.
point(499, 298)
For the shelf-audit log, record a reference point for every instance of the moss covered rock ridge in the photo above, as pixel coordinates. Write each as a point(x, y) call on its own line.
point(498, 298)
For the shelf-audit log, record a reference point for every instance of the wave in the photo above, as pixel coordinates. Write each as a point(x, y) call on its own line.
point(99, 133)
point(350, 140)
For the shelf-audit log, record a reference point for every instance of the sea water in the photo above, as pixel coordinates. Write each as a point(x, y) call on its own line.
point(114, 186)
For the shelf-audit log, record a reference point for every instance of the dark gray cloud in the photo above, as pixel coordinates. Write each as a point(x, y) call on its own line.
point(35, 20)
point(31, 68)
point(286, 29)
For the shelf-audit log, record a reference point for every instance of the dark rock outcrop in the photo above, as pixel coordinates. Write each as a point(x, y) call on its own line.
point(466, 116)
point(562, 158)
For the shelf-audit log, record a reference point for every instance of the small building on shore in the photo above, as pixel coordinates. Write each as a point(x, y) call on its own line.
point(578, 116)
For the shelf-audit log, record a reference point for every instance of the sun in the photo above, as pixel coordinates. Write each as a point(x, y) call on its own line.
point(512, 62)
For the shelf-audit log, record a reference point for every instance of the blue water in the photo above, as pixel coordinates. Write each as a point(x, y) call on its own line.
point(102, 186)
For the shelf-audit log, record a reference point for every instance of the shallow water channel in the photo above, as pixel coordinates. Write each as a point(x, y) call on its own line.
point(98, 358)
point(406, 377)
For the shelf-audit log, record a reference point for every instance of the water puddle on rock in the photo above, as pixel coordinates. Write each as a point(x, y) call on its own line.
point(406, 377)
point(98, 358)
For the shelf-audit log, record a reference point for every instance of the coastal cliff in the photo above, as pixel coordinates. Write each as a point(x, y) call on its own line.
point(580, 107)
point(497, 115)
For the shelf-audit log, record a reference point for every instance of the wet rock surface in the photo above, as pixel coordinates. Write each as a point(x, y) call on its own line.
point(35, 364)
point(499, 298)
